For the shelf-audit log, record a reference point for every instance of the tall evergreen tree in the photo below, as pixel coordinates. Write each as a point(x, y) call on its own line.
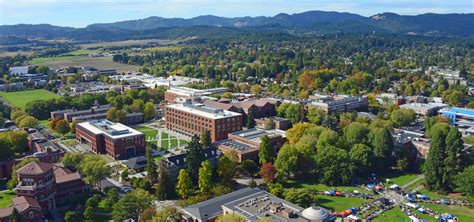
point(206, 140)
point(194, 158)
point(150, 165)
point(434, 164)
point(266, 153)
point(163, 187)
point(453, 163)
point(250, 120)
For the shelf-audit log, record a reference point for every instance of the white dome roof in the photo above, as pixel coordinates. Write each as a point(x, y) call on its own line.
point(315, 213)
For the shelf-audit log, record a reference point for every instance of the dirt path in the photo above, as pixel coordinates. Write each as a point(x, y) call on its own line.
point(420, 177)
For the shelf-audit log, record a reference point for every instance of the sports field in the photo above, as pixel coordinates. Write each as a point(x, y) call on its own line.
point(83, 60)
point(21, 98)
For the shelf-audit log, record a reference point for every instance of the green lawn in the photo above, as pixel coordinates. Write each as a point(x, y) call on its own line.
point(21, 98)
point(321, 187)
point(403, 179)
point(392, 215)
point(44, 123)
point(149, 133)
point(6, 198)
point(68, 142)
point(170, 140)
point(463, 213)
point(42, 60)
point(339, 203)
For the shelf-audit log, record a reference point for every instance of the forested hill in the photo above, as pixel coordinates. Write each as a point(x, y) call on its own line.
point(306, 23)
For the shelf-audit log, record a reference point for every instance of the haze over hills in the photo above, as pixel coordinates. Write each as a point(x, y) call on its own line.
point(314, 22)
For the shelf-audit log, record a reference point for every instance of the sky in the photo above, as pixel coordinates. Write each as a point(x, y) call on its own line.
point(80, 13)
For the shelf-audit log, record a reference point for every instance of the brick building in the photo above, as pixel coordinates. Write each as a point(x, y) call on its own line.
point(192, 119)
point(97, 112)
point(114, 139)
point(40, 187)
point(246, 143)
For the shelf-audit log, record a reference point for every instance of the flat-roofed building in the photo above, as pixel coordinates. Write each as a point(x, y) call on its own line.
point(114, 139)
point(246, 143)
point(18, 71)
point(180, 94)
point(193, 119)
point(255, 204)
point(459, 116)
point(424, 109)
point(339, 104)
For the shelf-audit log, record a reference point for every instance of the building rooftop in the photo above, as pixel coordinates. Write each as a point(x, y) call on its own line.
point(110, 129)
point(212, 208)
point(423, 106)
point(255, 134)
point(24, 203)
point(458, 111)
point(265, 205)
point(202, 110)
point(237, 145)
point(35, 168)
point(19, 69)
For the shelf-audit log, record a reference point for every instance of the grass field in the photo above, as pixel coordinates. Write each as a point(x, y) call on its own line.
point(21, 98)
point(392, 215)
point(149, 133)
point(463, 213)
point(339, 203)
point(84, 60)
point(6, 198)
point(321, 187)
point(170, 141)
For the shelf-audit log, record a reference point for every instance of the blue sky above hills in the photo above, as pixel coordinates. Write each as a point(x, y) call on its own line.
point(79, 13)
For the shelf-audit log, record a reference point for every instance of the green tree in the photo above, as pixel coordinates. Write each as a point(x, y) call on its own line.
point(266, 153)
point(226, 170)
point(194, 158)
point(294, 113)
point(361, 158)
point(71, 216)
point(402, 117)
point(434, 165)
point(206, 138)
point(28, 122)
point(18, 141)
point(163, 188)
point(288, 161)
point(150, 165)
point(464, 182)
point(382, 143)
point(205, 176)
point(62, 127)
point(315, 115)
point(15, 216)
point(167, 214)
point(137, 105)
point(184, 184)
point(453, 163)
point(303, 197)
point(149, 111)
point(111, 199)
point(250, 120)
point(356, 133)
point(131, 205)
point(334, 165)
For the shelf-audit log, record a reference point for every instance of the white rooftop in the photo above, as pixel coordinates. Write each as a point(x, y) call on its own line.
point(205, 111)
point(111, 129)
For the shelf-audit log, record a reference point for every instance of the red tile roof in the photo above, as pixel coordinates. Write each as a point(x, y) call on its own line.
point(35, 168)
point(24, 203)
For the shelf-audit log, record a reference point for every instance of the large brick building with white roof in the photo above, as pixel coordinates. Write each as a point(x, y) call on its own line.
point(192, 119)
point(114, 139)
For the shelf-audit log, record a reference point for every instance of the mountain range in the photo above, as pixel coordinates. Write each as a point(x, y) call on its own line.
point(306, 23)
